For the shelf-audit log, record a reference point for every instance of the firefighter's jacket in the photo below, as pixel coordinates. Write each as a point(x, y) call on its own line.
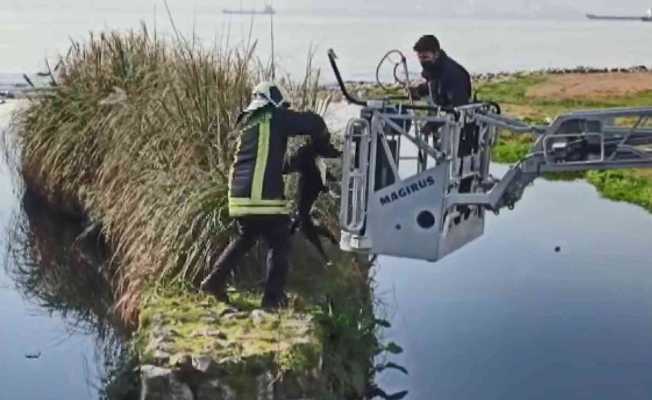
point(447, 81)
point(256, 178)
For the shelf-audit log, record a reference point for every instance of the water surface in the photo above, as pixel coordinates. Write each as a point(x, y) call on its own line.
point(32, 30)
point(55, 340)
point(507, 317)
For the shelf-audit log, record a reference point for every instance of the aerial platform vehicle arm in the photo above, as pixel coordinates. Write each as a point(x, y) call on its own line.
point(416, 179)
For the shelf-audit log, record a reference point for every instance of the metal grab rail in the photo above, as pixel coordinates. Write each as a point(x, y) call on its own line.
point(355, 163)
point(445, 204)
point(511, 124)
point(436, 210)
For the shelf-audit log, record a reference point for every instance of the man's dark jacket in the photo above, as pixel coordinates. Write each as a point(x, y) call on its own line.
point(449, 82)
point(256, 178)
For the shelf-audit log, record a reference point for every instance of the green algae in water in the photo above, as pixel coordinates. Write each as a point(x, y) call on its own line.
point(623, 185)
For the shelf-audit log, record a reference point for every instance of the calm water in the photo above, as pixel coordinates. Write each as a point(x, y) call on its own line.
point(52, 307)
point(509, 318)
point(31, 30)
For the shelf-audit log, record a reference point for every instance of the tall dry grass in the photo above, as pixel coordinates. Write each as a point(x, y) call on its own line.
point(139, 135)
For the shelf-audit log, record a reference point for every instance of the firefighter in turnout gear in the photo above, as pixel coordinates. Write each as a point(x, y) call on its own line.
point(256, 189)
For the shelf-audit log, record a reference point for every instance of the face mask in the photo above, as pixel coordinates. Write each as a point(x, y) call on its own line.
point(427, 65)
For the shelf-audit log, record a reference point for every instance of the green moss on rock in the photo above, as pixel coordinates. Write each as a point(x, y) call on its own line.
point(175, 322)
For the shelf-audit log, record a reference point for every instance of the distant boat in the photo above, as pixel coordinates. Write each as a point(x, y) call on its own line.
point(644, 18)
point(268, 10)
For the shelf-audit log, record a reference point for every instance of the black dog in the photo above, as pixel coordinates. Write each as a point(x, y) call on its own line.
point(310, 185)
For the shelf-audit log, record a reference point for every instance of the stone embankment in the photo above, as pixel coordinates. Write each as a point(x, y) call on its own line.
point(489, 76)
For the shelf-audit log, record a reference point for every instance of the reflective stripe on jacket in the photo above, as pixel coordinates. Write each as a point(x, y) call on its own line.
point(256, 180)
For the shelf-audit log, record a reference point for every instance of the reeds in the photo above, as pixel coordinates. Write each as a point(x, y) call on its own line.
point(139, 136)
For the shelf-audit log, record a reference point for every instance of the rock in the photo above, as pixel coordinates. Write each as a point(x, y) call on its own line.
point(168, 332)
point(230, 362)
point(153, 373)
point(215, 333)
point(183, 362)
point(265, 386)
point(157, 385)
point(227, 311)
point(232, 345)
point(160, 344)
point(237, 315)
point(209, 319)
point(179, 390)
point(214, 346)
point(205, 364)
point(214, 390)
point(259, 317)
point(161, 357)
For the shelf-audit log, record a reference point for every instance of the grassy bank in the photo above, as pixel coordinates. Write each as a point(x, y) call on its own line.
point(539, 98)
point(323, 346)
point(138, 137)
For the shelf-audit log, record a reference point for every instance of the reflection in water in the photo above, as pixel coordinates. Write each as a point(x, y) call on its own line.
point(62, 272)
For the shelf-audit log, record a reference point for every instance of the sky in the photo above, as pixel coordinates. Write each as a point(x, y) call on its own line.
point(444, 8)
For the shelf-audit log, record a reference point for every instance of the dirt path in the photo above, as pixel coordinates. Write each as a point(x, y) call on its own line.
point(577, 86)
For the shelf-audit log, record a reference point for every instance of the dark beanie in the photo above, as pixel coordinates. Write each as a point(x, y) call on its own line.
point(427, 43)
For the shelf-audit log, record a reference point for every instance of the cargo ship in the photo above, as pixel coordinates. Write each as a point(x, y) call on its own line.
point(644, 18)
point(268, 10)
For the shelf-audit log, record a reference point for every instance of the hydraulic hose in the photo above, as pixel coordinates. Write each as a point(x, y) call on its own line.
point(402, 63)
point(340, 81)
